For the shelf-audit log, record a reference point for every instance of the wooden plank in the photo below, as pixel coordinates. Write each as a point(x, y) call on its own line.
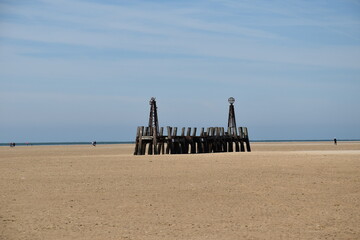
point(169, 140)
point(241, 134)
point(213, 131)
point(188, 131)
point(214, 140)
point(139, 150)
point(137, 141)
point(155, 144)
point(229, 140)
point(248, 148)
point(161, 147)
point(194, 132)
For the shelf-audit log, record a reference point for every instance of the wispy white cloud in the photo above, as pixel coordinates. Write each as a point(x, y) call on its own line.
point(185, 52)
point(170, 31)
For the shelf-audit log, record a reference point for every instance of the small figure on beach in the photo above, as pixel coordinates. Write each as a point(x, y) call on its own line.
point(335, 141)
point(94, 143)
point(12, 144)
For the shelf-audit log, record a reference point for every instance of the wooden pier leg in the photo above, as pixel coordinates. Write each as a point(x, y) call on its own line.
point(143, 145)
point(230, 141)
point(213, 142)
point(169, 141)
point(137, 141)
point(181, 145)
point(194, 132)
point(193, 142)
point(140, 147)
point(197, 145)
point(237, 146)
point(155, 140)
point(206, 143)
point(175, 144)
point(150, 143)
point(150, 148)
point(222, 138)
point(247, 139)
point(226, 141)
point(201, 144)
point(188, 141)
point(241, 132)
point(237, 140)
point(216, 140)
point(188, 132)
point(161, 143)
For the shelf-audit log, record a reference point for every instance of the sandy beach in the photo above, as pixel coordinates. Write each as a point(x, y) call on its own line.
point(307, 190)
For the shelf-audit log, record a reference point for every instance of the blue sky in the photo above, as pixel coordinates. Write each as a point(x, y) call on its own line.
point(83, 70)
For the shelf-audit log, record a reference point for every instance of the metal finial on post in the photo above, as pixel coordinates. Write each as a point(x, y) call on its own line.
point(231, 120)
point(231, 100)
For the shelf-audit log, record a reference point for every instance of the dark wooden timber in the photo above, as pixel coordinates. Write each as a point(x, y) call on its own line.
point(215, 140)
point(152, 140)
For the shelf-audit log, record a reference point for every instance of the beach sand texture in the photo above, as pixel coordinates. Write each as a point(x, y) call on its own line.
point(278, 191)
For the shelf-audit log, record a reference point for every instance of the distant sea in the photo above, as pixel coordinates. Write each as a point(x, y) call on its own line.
point(61, 143)
point(132, 142)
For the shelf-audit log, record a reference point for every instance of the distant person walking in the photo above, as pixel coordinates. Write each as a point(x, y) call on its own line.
point(94, 143)
point(335, 141)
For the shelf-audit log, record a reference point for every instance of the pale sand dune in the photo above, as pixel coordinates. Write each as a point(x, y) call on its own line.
point(278, 191)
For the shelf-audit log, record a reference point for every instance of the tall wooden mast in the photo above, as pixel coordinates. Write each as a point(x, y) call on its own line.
point(153, 118)
point(153, 124)
point(231, 120)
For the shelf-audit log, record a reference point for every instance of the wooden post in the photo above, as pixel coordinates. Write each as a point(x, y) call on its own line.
point(241, 132)
point(236, 141)
point(142, 144)
point(230, 141)
point(169, 144)
point(194, 132)
point(137, 141)
point(150, 148)
point(155, 143)
point(175, 143)
point(247, 139)
point(188, 132)
point(222, 140)
point(194, 142)
point(188, 140)
point(160, 142)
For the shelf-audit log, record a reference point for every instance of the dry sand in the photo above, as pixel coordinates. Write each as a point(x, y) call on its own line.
point(278, 191)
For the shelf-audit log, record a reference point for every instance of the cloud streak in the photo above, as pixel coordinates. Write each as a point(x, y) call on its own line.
point(276, 55)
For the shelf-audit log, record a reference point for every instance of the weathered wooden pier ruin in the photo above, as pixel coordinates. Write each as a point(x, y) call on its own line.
point(153, 140)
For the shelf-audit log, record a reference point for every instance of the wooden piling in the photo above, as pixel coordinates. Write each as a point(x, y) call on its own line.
point(151, 141)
